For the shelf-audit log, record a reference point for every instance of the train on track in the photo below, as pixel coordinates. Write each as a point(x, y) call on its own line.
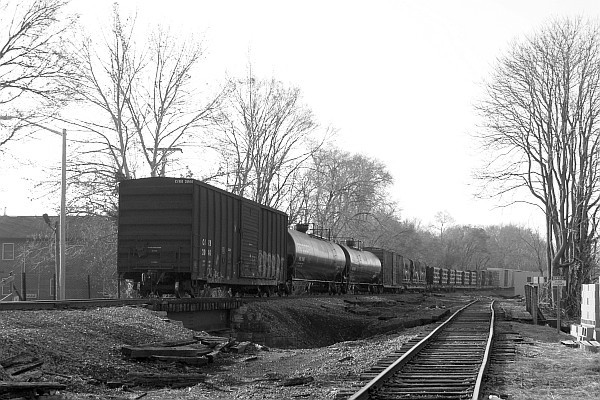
point(184, 237)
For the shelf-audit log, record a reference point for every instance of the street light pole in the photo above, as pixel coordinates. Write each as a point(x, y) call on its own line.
point(63, 195)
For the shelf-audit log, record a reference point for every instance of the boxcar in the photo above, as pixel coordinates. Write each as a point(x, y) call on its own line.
point(182, 235)
point(501, 277)
point(391, 268)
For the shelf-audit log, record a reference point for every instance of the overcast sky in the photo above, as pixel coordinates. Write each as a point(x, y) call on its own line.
point(397, 79)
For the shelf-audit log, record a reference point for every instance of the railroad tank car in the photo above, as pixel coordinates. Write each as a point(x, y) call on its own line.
point(315, 263)
point(364, 269)
point(183, 235)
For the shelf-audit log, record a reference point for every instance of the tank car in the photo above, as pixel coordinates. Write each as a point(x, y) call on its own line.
point(185, 236)
point(364, 269)
point(315, 264)
point(318, 264)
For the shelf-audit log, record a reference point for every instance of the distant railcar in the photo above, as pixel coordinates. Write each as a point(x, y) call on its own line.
point(391, 268)
point(419, 273)
point(452, 277)
point(460, 279)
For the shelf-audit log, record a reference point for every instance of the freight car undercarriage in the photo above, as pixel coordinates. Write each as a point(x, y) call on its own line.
point(169, 284)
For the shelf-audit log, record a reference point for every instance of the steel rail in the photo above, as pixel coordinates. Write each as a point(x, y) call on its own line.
point(486, 356)
point(365, 392)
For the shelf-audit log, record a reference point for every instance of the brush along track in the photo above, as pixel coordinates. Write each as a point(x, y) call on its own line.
point(447, 364)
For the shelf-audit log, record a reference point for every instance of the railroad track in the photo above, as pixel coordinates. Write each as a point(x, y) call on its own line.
point(449, 363)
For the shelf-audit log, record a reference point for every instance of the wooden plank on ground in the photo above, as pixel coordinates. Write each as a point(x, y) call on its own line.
point(8, 387)
point(197, 361)
point(164, 379)
point(174, 343)
point(146, 352)
point(19, 369)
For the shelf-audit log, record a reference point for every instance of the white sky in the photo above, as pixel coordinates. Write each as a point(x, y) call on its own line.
point(397, 79)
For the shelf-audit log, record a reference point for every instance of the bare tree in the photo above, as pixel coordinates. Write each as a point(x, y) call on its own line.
point(167, 112)
point(541, 119)
point(345, 192)
point(143, 108)
point(34, 59)
point(265, 138)
point(443, 218)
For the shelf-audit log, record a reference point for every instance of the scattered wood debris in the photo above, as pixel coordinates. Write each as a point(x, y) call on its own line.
point(200, 350)
point(16, 373)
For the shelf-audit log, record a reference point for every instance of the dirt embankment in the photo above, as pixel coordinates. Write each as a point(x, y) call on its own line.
point(317, 322)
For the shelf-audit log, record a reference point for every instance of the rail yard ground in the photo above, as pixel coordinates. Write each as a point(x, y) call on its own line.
point(336, 339)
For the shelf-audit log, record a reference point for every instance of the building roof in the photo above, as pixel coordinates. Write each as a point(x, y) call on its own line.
point(23, 227)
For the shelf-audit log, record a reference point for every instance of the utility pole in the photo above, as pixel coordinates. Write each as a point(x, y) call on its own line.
point(63, 194)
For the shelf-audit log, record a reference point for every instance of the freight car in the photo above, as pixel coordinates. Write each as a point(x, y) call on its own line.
point(184, 236)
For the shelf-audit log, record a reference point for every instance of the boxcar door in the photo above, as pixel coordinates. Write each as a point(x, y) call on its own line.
point(249, 224)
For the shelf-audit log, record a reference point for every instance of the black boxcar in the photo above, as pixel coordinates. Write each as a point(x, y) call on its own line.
point(392, 266)
point(183, 235)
